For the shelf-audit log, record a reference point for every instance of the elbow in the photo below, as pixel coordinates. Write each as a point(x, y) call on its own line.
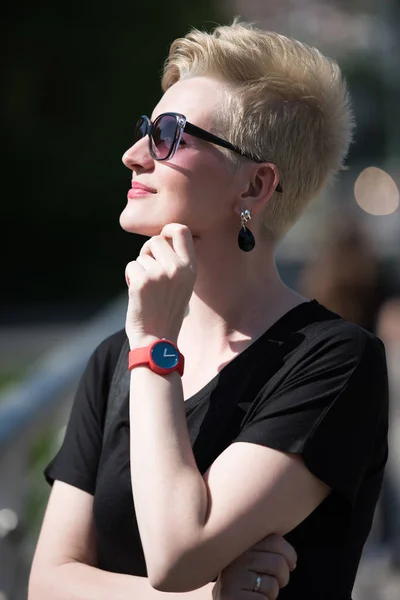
point(164, 584)
point(164, 578)
point(179, 576)
point(177, 583)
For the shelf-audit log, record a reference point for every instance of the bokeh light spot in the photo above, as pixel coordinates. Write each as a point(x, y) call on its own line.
point(376, 192)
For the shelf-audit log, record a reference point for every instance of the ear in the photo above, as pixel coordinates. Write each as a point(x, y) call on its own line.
point(260, 184)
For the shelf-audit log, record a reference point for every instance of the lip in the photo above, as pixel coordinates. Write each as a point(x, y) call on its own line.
point(139, 189)
point(140, 186)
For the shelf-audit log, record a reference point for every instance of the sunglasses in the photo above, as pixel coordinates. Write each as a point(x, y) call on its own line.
point(166, 132)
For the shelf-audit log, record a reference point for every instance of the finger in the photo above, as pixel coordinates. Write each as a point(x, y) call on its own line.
point(269, 587)
point(160, 249)
point(242, 595)
point(149, 264)
point(274, 565)
point(238, 590)
point(277, 544)
point(245, 595)
point(134, 273)
point(182, 240)
point(146, 248)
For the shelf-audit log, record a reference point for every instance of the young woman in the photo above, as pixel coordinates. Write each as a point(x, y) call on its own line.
point(252, 411)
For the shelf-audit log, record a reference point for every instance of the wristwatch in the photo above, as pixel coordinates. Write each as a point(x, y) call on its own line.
point(162, 356)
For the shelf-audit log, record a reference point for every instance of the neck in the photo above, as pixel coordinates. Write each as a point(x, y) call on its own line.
point(237, 294)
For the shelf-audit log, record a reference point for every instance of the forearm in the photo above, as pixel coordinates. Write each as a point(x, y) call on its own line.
point(77, 581)
point(170, 495)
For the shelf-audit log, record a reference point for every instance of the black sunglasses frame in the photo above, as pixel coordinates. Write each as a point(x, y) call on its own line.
point(182, 125)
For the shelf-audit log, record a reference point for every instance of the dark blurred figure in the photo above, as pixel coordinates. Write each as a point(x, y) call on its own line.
point(388, 329)
point(345, 275)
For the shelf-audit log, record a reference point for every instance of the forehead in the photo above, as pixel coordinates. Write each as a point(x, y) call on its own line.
point(196, 98)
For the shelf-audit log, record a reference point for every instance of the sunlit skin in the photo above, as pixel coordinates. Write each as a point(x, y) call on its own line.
point(195, 187)
point(198, 188)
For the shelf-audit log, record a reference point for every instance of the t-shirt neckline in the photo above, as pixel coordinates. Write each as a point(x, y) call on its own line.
point(282, 323)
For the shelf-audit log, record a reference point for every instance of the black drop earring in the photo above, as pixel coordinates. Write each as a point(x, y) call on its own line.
point(246, 239)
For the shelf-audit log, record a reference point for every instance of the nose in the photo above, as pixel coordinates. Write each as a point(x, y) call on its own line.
point(137, 157)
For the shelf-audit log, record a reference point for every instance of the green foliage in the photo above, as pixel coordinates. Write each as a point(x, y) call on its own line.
point(7, 379)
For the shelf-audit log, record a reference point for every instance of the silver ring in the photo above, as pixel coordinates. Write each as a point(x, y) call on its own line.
point(257, 584)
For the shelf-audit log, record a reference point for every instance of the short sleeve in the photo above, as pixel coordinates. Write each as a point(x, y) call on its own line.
point(331, 408)
point(77, 461)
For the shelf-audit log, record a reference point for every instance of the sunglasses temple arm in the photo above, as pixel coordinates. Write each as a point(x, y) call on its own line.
point(209, 137)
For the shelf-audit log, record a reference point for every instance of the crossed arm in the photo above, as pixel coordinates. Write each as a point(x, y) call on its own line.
point(64, 565)
point(193, 527)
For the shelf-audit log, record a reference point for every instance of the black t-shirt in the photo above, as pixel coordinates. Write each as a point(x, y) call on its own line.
point(312, 384)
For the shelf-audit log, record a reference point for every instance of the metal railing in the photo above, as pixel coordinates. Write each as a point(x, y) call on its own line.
point(32, 415)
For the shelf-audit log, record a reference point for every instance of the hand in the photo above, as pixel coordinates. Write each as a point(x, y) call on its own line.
point(273, 558)
point(161, 282)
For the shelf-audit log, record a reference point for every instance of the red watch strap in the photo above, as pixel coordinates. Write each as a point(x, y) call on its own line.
point(138, 356)
point(142, 356)
point(181, 364)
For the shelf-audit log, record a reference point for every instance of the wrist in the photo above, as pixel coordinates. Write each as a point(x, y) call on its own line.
point(160, 354)
point(142, 340)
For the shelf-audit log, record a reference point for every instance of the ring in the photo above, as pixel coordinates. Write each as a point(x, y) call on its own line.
point(257, 584)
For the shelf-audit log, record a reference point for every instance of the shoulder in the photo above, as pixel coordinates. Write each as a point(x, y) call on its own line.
point(323, 354)
point(327, 334)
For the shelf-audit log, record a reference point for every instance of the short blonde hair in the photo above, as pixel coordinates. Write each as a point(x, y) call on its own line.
point(288, 104)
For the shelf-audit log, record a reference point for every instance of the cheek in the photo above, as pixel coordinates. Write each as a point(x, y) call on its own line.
point(205, 176)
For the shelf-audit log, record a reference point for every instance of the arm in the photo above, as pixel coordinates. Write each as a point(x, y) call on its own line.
point(64, 568)
point(204, 524)
point(252, 489)
point(191, 528)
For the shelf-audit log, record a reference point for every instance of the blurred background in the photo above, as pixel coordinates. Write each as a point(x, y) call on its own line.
point(75, 77)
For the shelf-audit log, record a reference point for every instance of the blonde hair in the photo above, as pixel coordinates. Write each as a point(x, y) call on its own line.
point(287, 103)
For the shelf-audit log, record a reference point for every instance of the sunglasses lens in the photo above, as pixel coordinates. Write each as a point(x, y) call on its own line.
point(140, 130)
point(164, 135)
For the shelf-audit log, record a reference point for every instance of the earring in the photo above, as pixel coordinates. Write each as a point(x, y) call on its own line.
point(246, 239)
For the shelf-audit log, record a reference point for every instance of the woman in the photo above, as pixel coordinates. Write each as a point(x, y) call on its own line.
point(260, 412)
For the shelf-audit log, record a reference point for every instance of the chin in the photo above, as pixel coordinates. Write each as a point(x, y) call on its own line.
point(138, 226)
point(148, 222)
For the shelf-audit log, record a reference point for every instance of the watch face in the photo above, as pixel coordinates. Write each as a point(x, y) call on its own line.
point(165, 355)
